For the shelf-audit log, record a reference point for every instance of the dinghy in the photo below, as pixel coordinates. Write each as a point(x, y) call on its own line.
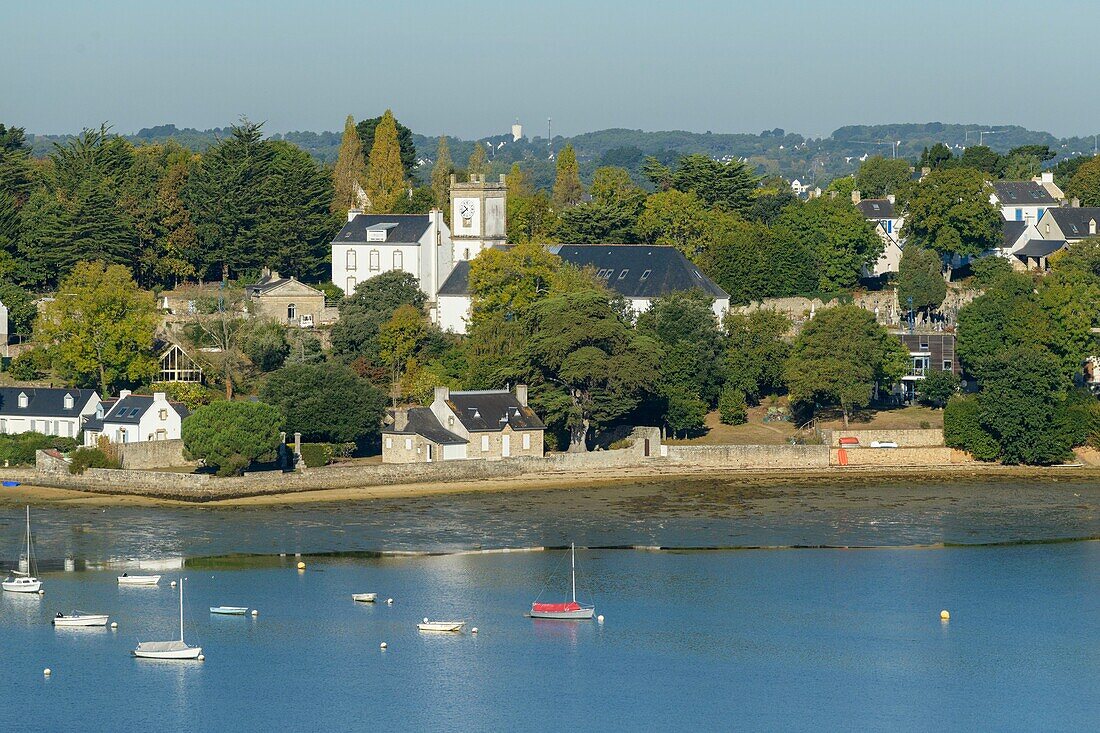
point(169, 649)
point(229, 610)
point(79, 618)
point(21, 582)
point(450, 626)
point(570, 609)
point(364, 597)
point(126, 579)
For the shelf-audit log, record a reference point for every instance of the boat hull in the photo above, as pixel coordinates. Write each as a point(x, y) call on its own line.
point(228, 610)
point(579, 614)
point(442, 626)
point(364, 597)
point(138, 579)
point(73, 621)
point(20, 586)
point(166, 650)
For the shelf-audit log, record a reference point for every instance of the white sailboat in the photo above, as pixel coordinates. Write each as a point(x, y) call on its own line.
point(569, 610)
point(127, 579)
point(21, 582)
point(169, 649)
point(79, 618)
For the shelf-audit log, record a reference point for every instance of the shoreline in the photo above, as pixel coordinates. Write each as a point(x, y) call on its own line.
point(572, 480)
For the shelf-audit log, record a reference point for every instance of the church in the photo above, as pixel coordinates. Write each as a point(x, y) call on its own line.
point(439, 256)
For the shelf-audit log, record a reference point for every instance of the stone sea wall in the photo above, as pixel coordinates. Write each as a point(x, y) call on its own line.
point(153, 454)
point(894, 457)
point(904, 438)
point(750, 456)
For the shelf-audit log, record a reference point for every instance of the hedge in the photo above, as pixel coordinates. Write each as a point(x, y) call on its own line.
point(962, 429)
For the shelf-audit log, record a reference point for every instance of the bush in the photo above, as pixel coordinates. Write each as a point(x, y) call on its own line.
point(937, 388)
point(27, 366)
point(686, 412)
point(229, 436)
point(315, 455)
point(962, 429)
point(191, 394)
point(84, 458)
point(325, 402)
point(19, 449)
point(732, 409)
point(1079, 419)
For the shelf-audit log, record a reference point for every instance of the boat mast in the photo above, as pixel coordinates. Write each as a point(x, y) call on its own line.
point(181, 610)
point(573, 568)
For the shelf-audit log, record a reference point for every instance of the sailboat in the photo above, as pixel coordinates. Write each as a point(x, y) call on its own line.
point(169, 649)
point(570, 609)
point(21, 582)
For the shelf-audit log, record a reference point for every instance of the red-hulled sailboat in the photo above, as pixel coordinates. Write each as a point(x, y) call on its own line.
point(570, 609)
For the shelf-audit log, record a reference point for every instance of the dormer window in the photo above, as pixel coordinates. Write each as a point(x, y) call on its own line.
point(68, 402)
point(23, 399)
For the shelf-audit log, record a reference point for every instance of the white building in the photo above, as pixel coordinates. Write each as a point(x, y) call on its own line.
point(1071, 223)
point(136, 418)
point(50, 411)
point(888, 221)
point(1022, 200)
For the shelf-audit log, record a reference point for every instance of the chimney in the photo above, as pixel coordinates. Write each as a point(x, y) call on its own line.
point(454, 179)
point(502, 181)
point(400, 418)
point(442, 394)
point(855, 196)
point(1047, 177)
point(352, 213)
point(160, 397)
point(265, 271)
point(1092, 227)
point(274, 274)
point(924, 171)
point(521, 393)
point(891, 198)
point(124, 393)
point(1075, 202)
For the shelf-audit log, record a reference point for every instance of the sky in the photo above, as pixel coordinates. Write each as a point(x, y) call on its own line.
point(470, 68)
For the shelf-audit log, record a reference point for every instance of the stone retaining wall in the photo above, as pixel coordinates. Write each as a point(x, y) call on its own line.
point(898, 457)
point(904, 438)
point(153, 454)
point(751, 456)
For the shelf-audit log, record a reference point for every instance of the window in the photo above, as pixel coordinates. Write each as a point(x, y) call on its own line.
point(1019, 214)
point(389, 442)
point(622, 275)
point(1039, 214)
point(68, 402)
point(408, 443)
point(350, 259)
point(645, 274)
point(291, 312)
point(23, 400)
point(484, 443)
point(527, 441)
point(163, 414)
point(374, 267)
point(350, 286)
point(924, 344)
point(398, 259)
point(889, 226)
point(450, 421)
point(947, 365)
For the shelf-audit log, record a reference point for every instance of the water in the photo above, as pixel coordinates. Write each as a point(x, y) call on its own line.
point(791, 639)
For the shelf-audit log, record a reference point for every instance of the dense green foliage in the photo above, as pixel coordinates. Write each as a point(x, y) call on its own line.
point(962, 428)
point(230, 436)
point(950, 213)
point(879, 176)
point(325, 402)
point(755, 353)
point(937, 388)
point(98, 457)
point(921, 285)
point(19, 449)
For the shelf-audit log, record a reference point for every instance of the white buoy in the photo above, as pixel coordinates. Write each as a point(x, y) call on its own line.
point(425, 619)
point(944, 615)
point(383, 645)
point(255, 612)
point(202, 657)
point(114, 624)
point(173, 584)
point(599, 619)
point(41, 592)
point(47, 672)
point(473, 630)
point(389, 601)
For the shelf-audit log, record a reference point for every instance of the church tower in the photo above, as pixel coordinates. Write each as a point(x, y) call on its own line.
point(478, 215)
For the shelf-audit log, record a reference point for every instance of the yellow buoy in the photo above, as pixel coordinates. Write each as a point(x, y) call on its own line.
point(944, 615)
point(47, 671)
point(301, 566)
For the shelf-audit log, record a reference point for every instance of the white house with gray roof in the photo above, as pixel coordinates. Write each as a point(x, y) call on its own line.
point(1071, 223)
point(1022, 200)
point(46, 410)
point(136, 418)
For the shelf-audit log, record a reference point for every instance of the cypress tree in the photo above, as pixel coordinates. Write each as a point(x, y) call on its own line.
point(568, 190)
point(350, 172)
point(477, 164)
point(441, 176)
point(385, 173)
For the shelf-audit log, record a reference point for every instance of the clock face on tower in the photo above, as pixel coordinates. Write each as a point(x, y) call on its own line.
point(467, 209)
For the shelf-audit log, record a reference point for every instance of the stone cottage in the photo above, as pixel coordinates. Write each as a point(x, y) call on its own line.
point(287, 300)
point(487, 424)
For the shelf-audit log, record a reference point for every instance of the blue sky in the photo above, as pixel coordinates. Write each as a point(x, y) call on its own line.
point(471, 68)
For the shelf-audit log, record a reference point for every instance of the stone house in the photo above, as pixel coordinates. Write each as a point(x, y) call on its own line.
point(287, 300)
point(485, 424)
point(136, 418)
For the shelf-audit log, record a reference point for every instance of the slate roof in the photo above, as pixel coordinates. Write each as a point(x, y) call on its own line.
point(1011, 193)
point(1012, 231)
point(639, 270)
point(458, 282)
point(270, 281)
point(1074, 220)
point(128, 411)
point(876, 208)
point(481, 411)
point(1040, 247)
point(422, 421)
point(43, 401)
point(408, 229)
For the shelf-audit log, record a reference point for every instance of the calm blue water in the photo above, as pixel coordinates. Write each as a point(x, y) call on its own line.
point(797, 639)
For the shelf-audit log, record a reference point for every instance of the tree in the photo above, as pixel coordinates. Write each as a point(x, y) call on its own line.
point(612, 214)
point(264, 343)
point(920, 279)
point(350, 174)
point(325, 402)
point(841, 240)
point(21, 308)
point(441, 177)
point(685, 327)
point(175, 249)
point(362, 313)
point(685, 412)
point(751, 261)
point(937, 388)
point(962, 428)
point(732, 407)
point(980, 157)
point(839, 357)
point(1067, 168)
point(477, 165)
point(385, 172)
point(99, 329)
point(230, 436)
point(568, 190)
point(728, 186)
point(587, 367)
point(505, 284)
point(950, 213)
point(1085, 184)
point(215, 331)
point(1019, 167)
point(674, 218)
point(367, 130)
point(754, 352)
point(399, 339)
point(878, 176)
point(937, 157)
point(530, 218)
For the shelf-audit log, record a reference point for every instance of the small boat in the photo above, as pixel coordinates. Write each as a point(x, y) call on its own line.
point(21, 582)
point(229, 610)
point(10, 484)
point(451, 626)
point(169, 649)
point(79, 618)
point(126, 579)
point(364, 597)
point(570, 609)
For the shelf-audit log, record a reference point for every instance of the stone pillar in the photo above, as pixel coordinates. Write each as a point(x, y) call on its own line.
point(297, 445)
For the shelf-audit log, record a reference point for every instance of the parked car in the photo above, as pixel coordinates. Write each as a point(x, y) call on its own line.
point(883, 444)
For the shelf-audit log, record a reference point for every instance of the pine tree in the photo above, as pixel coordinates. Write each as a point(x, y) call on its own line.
point(385, 174)
point(174, 261)
point(441, 176)
point(351, 171)
point(477, 165)
point(568, 190)
point(295, 224)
